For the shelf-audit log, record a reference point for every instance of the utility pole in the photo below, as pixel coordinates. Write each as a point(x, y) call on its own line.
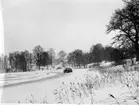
point(1, 30)
point(1, 39)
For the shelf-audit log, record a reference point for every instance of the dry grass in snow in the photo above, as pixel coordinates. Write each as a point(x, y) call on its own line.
point(103, 86)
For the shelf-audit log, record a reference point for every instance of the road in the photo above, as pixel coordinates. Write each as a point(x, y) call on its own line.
point(38, 89)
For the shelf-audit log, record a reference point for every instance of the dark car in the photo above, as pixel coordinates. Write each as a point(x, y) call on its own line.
point(67, 70)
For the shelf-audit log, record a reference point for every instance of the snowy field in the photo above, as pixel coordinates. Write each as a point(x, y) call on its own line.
point(46, 89)
point(12, 94)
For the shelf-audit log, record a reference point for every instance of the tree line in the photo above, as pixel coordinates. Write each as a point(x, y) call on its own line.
point(25, 61)
point(97, 54)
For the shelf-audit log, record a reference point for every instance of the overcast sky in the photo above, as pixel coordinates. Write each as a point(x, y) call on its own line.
point(59, 24)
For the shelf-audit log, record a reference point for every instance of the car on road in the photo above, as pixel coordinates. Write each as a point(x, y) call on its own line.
point(67, 70)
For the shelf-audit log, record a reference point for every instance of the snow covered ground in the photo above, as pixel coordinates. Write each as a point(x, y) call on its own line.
point(40, 89)
point(9, 79)
point(20, 92)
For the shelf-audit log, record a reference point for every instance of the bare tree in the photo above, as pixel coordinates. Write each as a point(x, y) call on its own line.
point(125, 22)
point(52, 54)
point(62, 55)
point(37, 52)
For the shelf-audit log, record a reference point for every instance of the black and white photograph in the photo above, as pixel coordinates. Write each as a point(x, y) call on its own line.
point(69, 52)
